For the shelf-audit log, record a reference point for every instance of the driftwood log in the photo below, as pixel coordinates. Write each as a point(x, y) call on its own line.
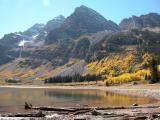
point(59, 109)
point(39, 114)
point(130, 107)
point(71, 109)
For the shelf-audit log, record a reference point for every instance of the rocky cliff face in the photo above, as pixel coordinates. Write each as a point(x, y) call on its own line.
point(150, 20)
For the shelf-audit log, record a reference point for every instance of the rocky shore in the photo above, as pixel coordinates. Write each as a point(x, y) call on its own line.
point(140, 92)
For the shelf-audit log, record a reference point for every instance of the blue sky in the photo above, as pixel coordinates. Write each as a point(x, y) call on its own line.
point(18, 15)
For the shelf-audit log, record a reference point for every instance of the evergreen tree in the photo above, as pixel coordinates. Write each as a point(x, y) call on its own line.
point(154, 72)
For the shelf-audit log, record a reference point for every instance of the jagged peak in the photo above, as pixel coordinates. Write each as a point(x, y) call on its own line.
point(59, 17)
point(83, 8)
point(37, 25)
point(149, 14)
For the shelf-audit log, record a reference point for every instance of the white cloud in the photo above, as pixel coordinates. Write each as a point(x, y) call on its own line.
point(46, 3)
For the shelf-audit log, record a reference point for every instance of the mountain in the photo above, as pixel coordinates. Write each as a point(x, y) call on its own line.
point(83, 43)
point(13, 39)
point(34, 30)
point(83, 21)
point(35, 36)
point(54, 23)
point(50, 25)
point(150, 20)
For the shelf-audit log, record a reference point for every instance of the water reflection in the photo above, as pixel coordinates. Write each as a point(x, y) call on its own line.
point(76, 95)
point(12, 99)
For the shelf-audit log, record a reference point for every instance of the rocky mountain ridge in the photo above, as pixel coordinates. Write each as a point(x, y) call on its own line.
point(150, 20)
point(82, 21)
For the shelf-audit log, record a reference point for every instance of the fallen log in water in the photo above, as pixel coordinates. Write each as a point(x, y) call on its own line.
point(39, 114)
point(130, 107)
point(60, 109)
point(55, 109)
point(88, 108)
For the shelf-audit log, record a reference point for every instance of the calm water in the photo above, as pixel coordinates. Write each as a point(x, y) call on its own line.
point(12, 99)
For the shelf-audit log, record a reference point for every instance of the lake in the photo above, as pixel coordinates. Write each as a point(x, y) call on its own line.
point(13, 99)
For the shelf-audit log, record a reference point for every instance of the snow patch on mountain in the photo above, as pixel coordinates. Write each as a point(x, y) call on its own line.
point(22, 42)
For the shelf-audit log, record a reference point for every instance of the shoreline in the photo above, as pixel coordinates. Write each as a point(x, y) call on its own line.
point(147, 91)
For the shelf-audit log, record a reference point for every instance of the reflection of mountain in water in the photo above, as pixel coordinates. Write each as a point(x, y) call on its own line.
point(73, 95)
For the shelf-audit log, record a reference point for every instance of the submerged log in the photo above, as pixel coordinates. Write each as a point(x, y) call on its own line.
point(59, 109)
point(56, 109)
point(130, 107)
point(39, 114)
point(85, 108)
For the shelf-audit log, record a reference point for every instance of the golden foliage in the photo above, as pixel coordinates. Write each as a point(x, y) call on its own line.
point(23, 73)
point(143, 72)
point(127, 77)
point(121, 68)
point(159, 68)
point(124, 78)
point(147, 58)
point(113, 65)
